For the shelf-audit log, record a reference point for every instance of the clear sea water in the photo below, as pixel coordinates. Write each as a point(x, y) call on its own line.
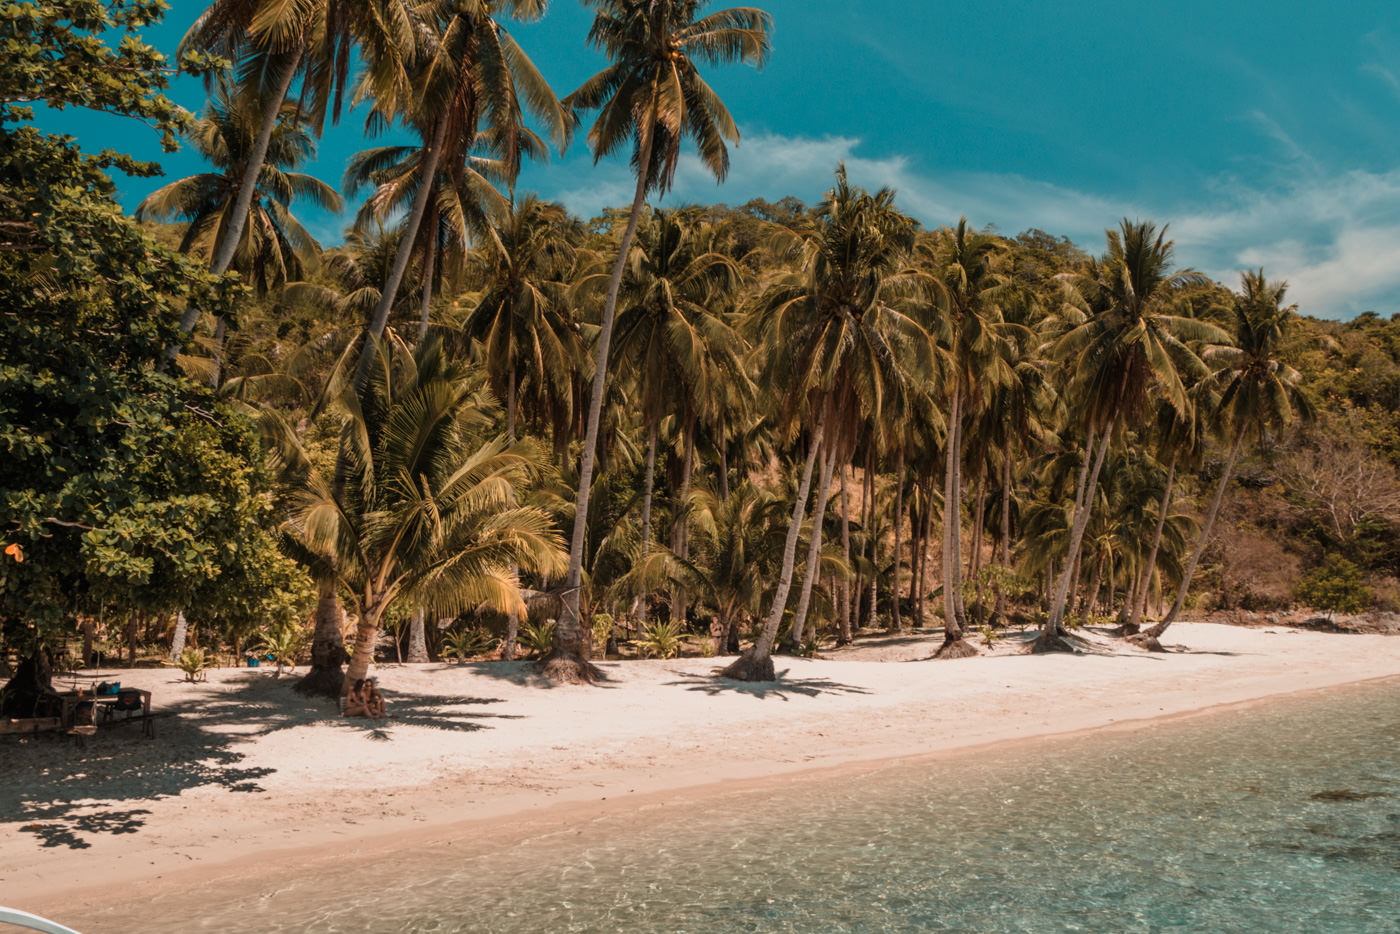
point(1280, 816)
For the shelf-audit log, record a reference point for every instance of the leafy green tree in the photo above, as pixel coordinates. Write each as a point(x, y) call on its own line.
point(1335, 587)
point(272, 42)
point(456, 74)
point(674, 344)
point(650, 98)
point(121, 486)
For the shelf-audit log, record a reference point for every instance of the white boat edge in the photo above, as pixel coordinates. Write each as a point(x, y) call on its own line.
point(35, 923)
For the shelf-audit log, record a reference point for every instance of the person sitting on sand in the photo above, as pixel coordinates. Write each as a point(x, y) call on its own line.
point(364, 700)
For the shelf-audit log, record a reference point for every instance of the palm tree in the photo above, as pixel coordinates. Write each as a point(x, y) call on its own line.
point(977, 351)
point(531, 342)
point(673, 342)
point(1130, 342)
point(272, 42)
point(427, 510)
point(460, 207)
point(844, 338)
point(1259, 393)
point(463, 75)
point(274, 248)
point(651, 98)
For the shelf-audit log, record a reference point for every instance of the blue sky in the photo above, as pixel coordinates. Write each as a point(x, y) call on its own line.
point(1266, 132)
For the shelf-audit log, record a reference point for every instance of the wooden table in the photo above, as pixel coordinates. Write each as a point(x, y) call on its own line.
point(73, 701)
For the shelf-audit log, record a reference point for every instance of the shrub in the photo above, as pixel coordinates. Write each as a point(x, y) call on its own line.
point(661, 640)
point(538, 638)
point(602, 631)
point(463, 644)
point(194, 663)
point(284, 644)
point(1336, 587)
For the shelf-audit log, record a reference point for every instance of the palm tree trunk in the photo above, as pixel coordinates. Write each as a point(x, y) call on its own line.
point(429, 263)
point(1052, 637)
point(1091, 599)
point(366, 635)
point(896, 623)
point(1139, 597)
point(954, 623)
point(814, 553)
point(1005, 524)
point(979, 516)
point(647, 486)
point(418, 637)
point(510, 641)
point(925, 536)
point(327, 647)
point(247, 185)
point(1151, 635)
point(757, 663)
point(565, 660)
point(380, 318)
point(177, 642)
point(680, 526)
point(844, 623)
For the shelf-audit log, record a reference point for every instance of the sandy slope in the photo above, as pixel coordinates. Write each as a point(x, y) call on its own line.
point(244, 777)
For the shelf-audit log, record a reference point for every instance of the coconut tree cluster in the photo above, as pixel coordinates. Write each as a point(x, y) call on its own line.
point(767, 427)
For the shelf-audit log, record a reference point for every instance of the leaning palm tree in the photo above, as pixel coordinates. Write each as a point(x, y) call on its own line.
point(274, 248)
point(1259, 393)
point(1131, 343)
point(651, 98)
point(460, 207)
point(426, 512)
point(463, 74)
point(273, 42)
point(845, 338)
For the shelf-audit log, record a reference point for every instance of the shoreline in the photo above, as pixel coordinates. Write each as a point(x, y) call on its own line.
point(872, 717)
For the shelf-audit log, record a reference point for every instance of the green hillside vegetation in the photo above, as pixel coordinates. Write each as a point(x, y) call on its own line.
point(805, 421)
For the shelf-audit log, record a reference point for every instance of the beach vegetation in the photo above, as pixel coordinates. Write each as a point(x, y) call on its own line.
point(1338, 586)
point(770, 421)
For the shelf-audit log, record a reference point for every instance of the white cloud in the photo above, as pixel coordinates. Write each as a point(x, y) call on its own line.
point(1335, 239)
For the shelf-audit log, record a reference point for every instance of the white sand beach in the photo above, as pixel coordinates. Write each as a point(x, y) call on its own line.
point(245, 779)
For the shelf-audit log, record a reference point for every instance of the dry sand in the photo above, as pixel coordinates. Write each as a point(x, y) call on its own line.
point(246, 778)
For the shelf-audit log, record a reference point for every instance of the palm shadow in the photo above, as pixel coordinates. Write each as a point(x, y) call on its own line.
point(526, 673)
point(805, 687)
point(431, 711)
point(67, 795)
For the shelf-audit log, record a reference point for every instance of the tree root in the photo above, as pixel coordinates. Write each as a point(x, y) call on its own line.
point(1123, 630)
point(746, 668)
point(568, 668)
point(1146, 641)
point(956, 648)
point(321, 681)
point(1051, 641)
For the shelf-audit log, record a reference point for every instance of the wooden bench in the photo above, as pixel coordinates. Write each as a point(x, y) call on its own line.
point(32, 725)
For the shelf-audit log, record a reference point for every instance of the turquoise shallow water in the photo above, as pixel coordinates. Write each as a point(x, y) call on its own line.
point(1282, 816)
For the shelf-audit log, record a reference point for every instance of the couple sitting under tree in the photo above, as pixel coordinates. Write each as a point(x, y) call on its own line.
point(364, 700)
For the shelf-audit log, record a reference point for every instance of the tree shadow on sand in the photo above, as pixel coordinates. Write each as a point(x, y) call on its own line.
point(431, 711)
point(524, 673)
point(805, 687)
point(66, 795)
